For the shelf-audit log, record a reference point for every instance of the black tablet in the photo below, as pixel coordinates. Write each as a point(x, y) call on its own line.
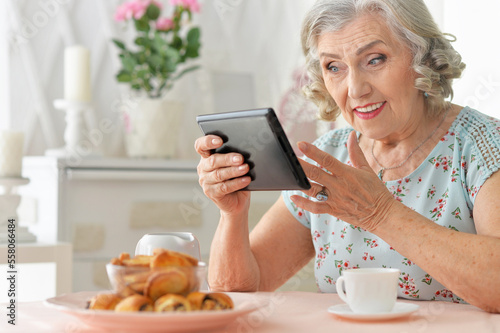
point(259, 137)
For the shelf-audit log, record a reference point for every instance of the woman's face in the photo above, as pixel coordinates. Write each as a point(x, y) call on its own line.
point(368, 73)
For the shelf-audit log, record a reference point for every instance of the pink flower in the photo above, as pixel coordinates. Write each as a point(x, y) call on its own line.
point(134, 9)
point(164, 24)
point(191, 5)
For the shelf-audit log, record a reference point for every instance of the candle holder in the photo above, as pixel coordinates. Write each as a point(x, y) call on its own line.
point(9, 202)
point(74, 133)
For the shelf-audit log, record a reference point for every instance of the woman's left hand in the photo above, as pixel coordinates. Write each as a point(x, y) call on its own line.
point(355, 194)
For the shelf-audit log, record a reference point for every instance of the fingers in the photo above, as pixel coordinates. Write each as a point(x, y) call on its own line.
point(206, 144)
point(221, 189)
point(324, 160)
point(311, 206)
point(356, 155)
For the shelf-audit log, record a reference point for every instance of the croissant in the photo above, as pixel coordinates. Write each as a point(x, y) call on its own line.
point(172, 302)
point(170, 280)
point(104, 301)
point(210, 301)
point(135, 303)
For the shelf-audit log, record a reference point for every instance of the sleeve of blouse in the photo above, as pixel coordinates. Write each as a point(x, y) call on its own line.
point(481, 152)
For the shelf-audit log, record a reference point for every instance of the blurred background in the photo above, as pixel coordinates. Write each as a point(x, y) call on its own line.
point(250, 57)
point(249, 54)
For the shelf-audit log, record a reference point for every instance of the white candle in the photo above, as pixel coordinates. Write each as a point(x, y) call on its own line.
point(77, 74)
point(11, 153)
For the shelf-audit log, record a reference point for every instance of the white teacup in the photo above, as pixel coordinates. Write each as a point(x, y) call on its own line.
point(184, 242)
point(369, 290)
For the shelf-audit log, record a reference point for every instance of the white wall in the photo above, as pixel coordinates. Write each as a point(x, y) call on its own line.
point(4, 71)
point(477, 31)
point(476, 26)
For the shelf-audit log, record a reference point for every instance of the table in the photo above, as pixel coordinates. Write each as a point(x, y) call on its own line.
point(290, 312)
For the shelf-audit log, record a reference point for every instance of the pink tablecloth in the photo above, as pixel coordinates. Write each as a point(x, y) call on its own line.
point(288, 312)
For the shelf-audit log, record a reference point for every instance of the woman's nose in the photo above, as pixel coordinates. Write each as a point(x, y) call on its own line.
point(358, 86)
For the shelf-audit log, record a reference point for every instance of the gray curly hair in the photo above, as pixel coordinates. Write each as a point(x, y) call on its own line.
point(434, 58)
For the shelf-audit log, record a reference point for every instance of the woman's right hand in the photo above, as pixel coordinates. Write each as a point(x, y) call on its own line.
point(222, 175)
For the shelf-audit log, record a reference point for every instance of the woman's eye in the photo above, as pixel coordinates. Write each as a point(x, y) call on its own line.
point(332, 68)
point(377, 60)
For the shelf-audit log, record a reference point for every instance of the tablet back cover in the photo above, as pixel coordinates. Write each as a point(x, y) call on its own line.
point(258, 136)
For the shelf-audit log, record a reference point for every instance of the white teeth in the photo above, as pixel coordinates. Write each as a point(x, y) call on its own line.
point(370, 108)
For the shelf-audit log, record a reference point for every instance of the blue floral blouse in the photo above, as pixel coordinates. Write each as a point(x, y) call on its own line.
point(443, 189)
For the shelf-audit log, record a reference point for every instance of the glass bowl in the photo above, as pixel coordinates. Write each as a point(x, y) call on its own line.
point(156, 282)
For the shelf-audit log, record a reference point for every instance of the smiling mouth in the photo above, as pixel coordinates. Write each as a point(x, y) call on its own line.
point(369, 108)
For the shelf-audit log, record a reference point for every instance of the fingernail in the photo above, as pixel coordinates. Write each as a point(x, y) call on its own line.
point(236, 159)
point(242, 167)
point(302, 146)
point(216, 142)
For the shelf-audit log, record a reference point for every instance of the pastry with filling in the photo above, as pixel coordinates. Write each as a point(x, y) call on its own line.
point(170, 280)
point(210, 301)
point(135, 303)
point(104, 301)
point(172, 302)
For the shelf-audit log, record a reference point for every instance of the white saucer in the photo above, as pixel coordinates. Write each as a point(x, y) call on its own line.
point(400, 310)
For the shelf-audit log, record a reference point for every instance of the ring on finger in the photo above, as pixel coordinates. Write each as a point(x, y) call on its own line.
point(322, 195)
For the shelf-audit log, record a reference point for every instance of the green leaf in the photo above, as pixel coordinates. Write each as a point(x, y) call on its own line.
point(153, 12)
point(118, 43)
point(159, 43)
point(143, 74)
point(124, 76)
point(172, 54)
point(176, 42)
point(169, 66)
point(129, 62)
point(185, 71)
point(142, 24)
point(192, 51)
point(193, 35)
point(140, 57)
point(147, 86)
point(142, 41)
point(155, 61)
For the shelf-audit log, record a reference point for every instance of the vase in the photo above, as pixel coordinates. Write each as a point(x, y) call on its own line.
point(152, 127)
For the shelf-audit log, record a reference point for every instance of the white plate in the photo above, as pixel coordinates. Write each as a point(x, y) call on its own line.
point(75, 303)
point(400, 310)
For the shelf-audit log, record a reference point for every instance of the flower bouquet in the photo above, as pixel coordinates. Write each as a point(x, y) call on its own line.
point(160, 55)
point(161, 46)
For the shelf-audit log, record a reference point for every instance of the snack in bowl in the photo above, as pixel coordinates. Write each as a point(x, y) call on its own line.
point(163, 282)
point(169, 281)
point(161, 273)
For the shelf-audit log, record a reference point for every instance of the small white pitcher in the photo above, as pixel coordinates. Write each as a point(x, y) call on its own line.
point(184, 242)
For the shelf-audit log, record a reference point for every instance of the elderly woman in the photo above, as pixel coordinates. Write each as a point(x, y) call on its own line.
point(412, 185)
